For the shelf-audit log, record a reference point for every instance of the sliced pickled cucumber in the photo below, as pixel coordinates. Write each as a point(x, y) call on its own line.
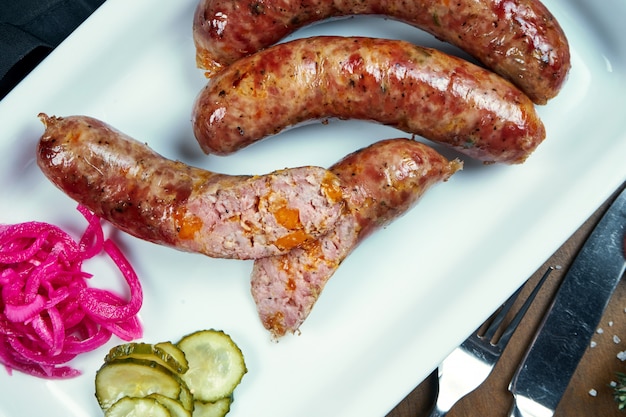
point(134, 378)
point(217, 408)
point(170, 357)
point(175, 352)
point(216, 364)
point(175, 408)
point(137, 407)
point(194, 378)
point(185, 397)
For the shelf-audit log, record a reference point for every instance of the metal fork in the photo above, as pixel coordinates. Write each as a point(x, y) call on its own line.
point(470, 364)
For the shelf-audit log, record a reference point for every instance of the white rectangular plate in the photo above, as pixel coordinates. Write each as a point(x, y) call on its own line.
point(404, 299)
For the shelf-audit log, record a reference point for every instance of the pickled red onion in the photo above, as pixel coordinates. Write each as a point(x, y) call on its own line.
point(48, 313)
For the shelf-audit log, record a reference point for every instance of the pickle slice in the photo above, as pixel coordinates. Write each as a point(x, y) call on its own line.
point(133, 378)
point(185, 397)
point(216, 364)
point(137, 407)
point(218, 408)
point(168, 356)
point(175, 408)
point(175, 352)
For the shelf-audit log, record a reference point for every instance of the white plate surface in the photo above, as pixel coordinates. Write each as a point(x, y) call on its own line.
point(404, 299)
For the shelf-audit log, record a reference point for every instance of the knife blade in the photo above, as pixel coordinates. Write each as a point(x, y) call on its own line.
point(572, 318)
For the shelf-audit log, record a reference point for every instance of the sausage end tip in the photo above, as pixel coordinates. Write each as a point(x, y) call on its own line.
point(45, 119)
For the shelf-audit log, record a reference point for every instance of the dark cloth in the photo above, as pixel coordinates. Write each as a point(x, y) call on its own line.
point(31, 29)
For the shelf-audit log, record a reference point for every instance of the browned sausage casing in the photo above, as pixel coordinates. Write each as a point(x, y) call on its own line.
point(521, 40)
point(381, 183)
point(418, 90)
point(173, 204)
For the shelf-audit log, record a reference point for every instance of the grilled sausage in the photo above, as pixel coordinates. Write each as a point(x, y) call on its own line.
point(418, 90)
point(519, 39)
point(173, 204)
point(381, 183)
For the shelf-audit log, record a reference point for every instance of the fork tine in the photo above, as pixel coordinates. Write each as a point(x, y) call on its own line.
point(494, 325)
point(497, 321)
